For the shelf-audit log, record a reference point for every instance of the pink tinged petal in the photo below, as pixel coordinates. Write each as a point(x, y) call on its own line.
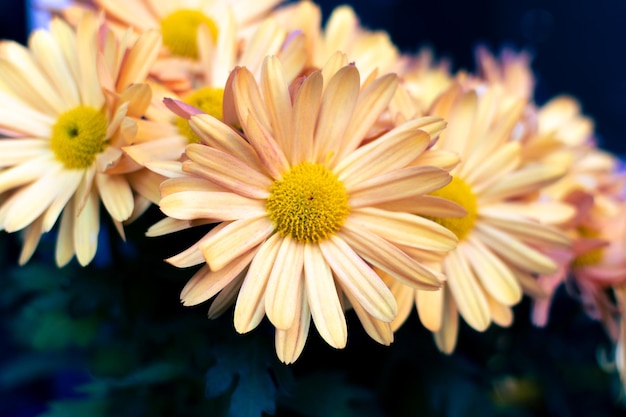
point(528, 230)
point(66, 189)
point(425, 205)
point(522, 182)
point(189, 205)
point(168, 225)
point(371, 103)
point(271, 156)
point(20, 119)
point(284, 285)
point(64, 251)
point(228, 171)
point(116, 195)
point(293, 54)
point(514, 251)
point(393, 150)
point(447, 335)
point(430, 308)
point(333, 65)
point(277, 101)
point(323, 299)
point(462, 115)
point(405, 229)
point(378, 330)
point(180, 184)
point(47, 52)
point(338, 103)
point(492, 169)
point(494, 275)
point(206, 283)
point(384, 255)
point(218, 135)
point(235, 239)
point(169, 169)
point(357, 278)
point(290, 342)
point(306, 109)
point(397, 185)
point(193, 256)
point(264, 42)
point(468, 295)
point(31, 201)
point(139, 60)
point(31, 240)
point(225, 299)
point(181, 109)
point(27, 172)
point(250, 306)
point(86, 228)
point(248, 100)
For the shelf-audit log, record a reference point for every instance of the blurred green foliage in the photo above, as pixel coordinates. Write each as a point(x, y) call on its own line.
point(112, 339)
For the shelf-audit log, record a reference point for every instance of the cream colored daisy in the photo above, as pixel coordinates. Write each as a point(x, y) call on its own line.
point(502, 238)
point(68, 104)
point(298, 201)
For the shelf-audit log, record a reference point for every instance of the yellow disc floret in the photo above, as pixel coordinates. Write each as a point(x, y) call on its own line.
point(78, 136)
point(461, 193)
point(309, 203)
point(207, 99)
point(592, 257)
point(180, 31)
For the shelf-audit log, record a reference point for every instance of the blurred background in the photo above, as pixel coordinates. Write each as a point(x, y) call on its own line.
point(562, 370)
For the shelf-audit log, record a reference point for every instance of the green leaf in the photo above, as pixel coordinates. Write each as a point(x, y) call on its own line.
point(328, 394)
point(247, 368)
point(156, 373)
point(76, 408)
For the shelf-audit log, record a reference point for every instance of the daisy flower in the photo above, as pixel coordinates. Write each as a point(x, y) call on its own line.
point(501, 238)
point(68, 104)
point(296, 197)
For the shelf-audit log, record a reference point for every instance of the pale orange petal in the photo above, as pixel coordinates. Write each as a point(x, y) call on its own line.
point(86, 228)
point(290, 342)
point(378, 330)
point(116, 195)
point(430, 308)
point(446, 337)
point(188, 205)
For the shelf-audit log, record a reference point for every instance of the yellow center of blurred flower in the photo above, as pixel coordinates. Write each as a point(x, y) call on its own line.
point(207, 99)
point(78, 136)
point(461, 193)
point(309, 203)
point(180, 31)
point(591, 257)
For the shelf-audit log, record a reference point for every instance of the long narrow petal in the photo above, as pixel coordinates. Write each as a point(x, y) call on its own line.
point(290, 342)
point(359, 279)
point(66, 189)
point(272, 157)
point(188, 205)
point(116, 195)
point(250, 306)
point(284, 285)
point(306, 109)
point(430, 306)
point(277, 101)
point(528, 230)
point(26, 172)
point(447, 335)
point(87, 228)
point(323, 299)
point(378, 330)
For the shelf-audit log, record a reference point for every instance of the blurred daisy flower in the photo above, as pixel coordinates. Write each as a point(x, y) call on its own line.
point(297, 196)
point(69, 103)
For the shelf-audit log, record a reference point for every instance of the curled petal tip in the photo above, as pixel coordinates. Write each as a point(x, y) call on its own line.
point(181, 109)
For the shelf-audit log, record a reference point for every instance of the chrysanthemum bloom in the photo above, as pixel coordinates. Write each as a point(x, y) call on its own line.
point(501, 238)
point(369, 50)
point(68, 104)
point(180, 23)
point(297, 200)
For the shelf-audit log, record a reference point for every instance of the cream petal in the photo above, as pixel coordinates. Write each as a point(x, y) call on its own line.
point(405, 229)
point(397, 185)
point(290, 342)
point(271, 156)
point(21, 119)
point(371, 103)
point(323, 299)
point(229, 172)
point(359, 279)
point(405, 298)
point(250, 306)
point(146, 184)
point(305, 114)
point(468, 295)
point(64, 251)
point(168, 225)
point(238, 237)
point(181, 184)
point(225, 298)
point(188, 205)
point(88, 83)
point(378, 330)
point(514, 251)
point(547, 212)
point(86, 227)
point(30, 241)
point(384, 255)
point(27, 172)
point(116, 195)
point(525, 229)
point(496, 278)
point(68, 184)
point(206, 282)
point(277, 101)
point(501, 314)
point(193, 255)
point(248, 100)
point(169, 169)
point(522, 182)
point(391, 151)
point(430, 308)
point(338, 103)
point(441, 158)
point(447, 335)
point(139, 59)
point(284, 285)
point(425, 205)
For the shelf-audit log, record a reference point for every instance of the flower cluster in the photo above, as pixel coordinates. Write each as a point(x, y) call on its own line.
point(333, 173)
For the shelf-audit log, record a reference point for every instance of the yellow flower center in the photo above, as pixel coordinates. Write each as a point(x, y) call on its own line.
point(78, 136)
point(309, 203)
point(591, 257)
point(207, 99)
point(461, 193)
point(180, 31)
